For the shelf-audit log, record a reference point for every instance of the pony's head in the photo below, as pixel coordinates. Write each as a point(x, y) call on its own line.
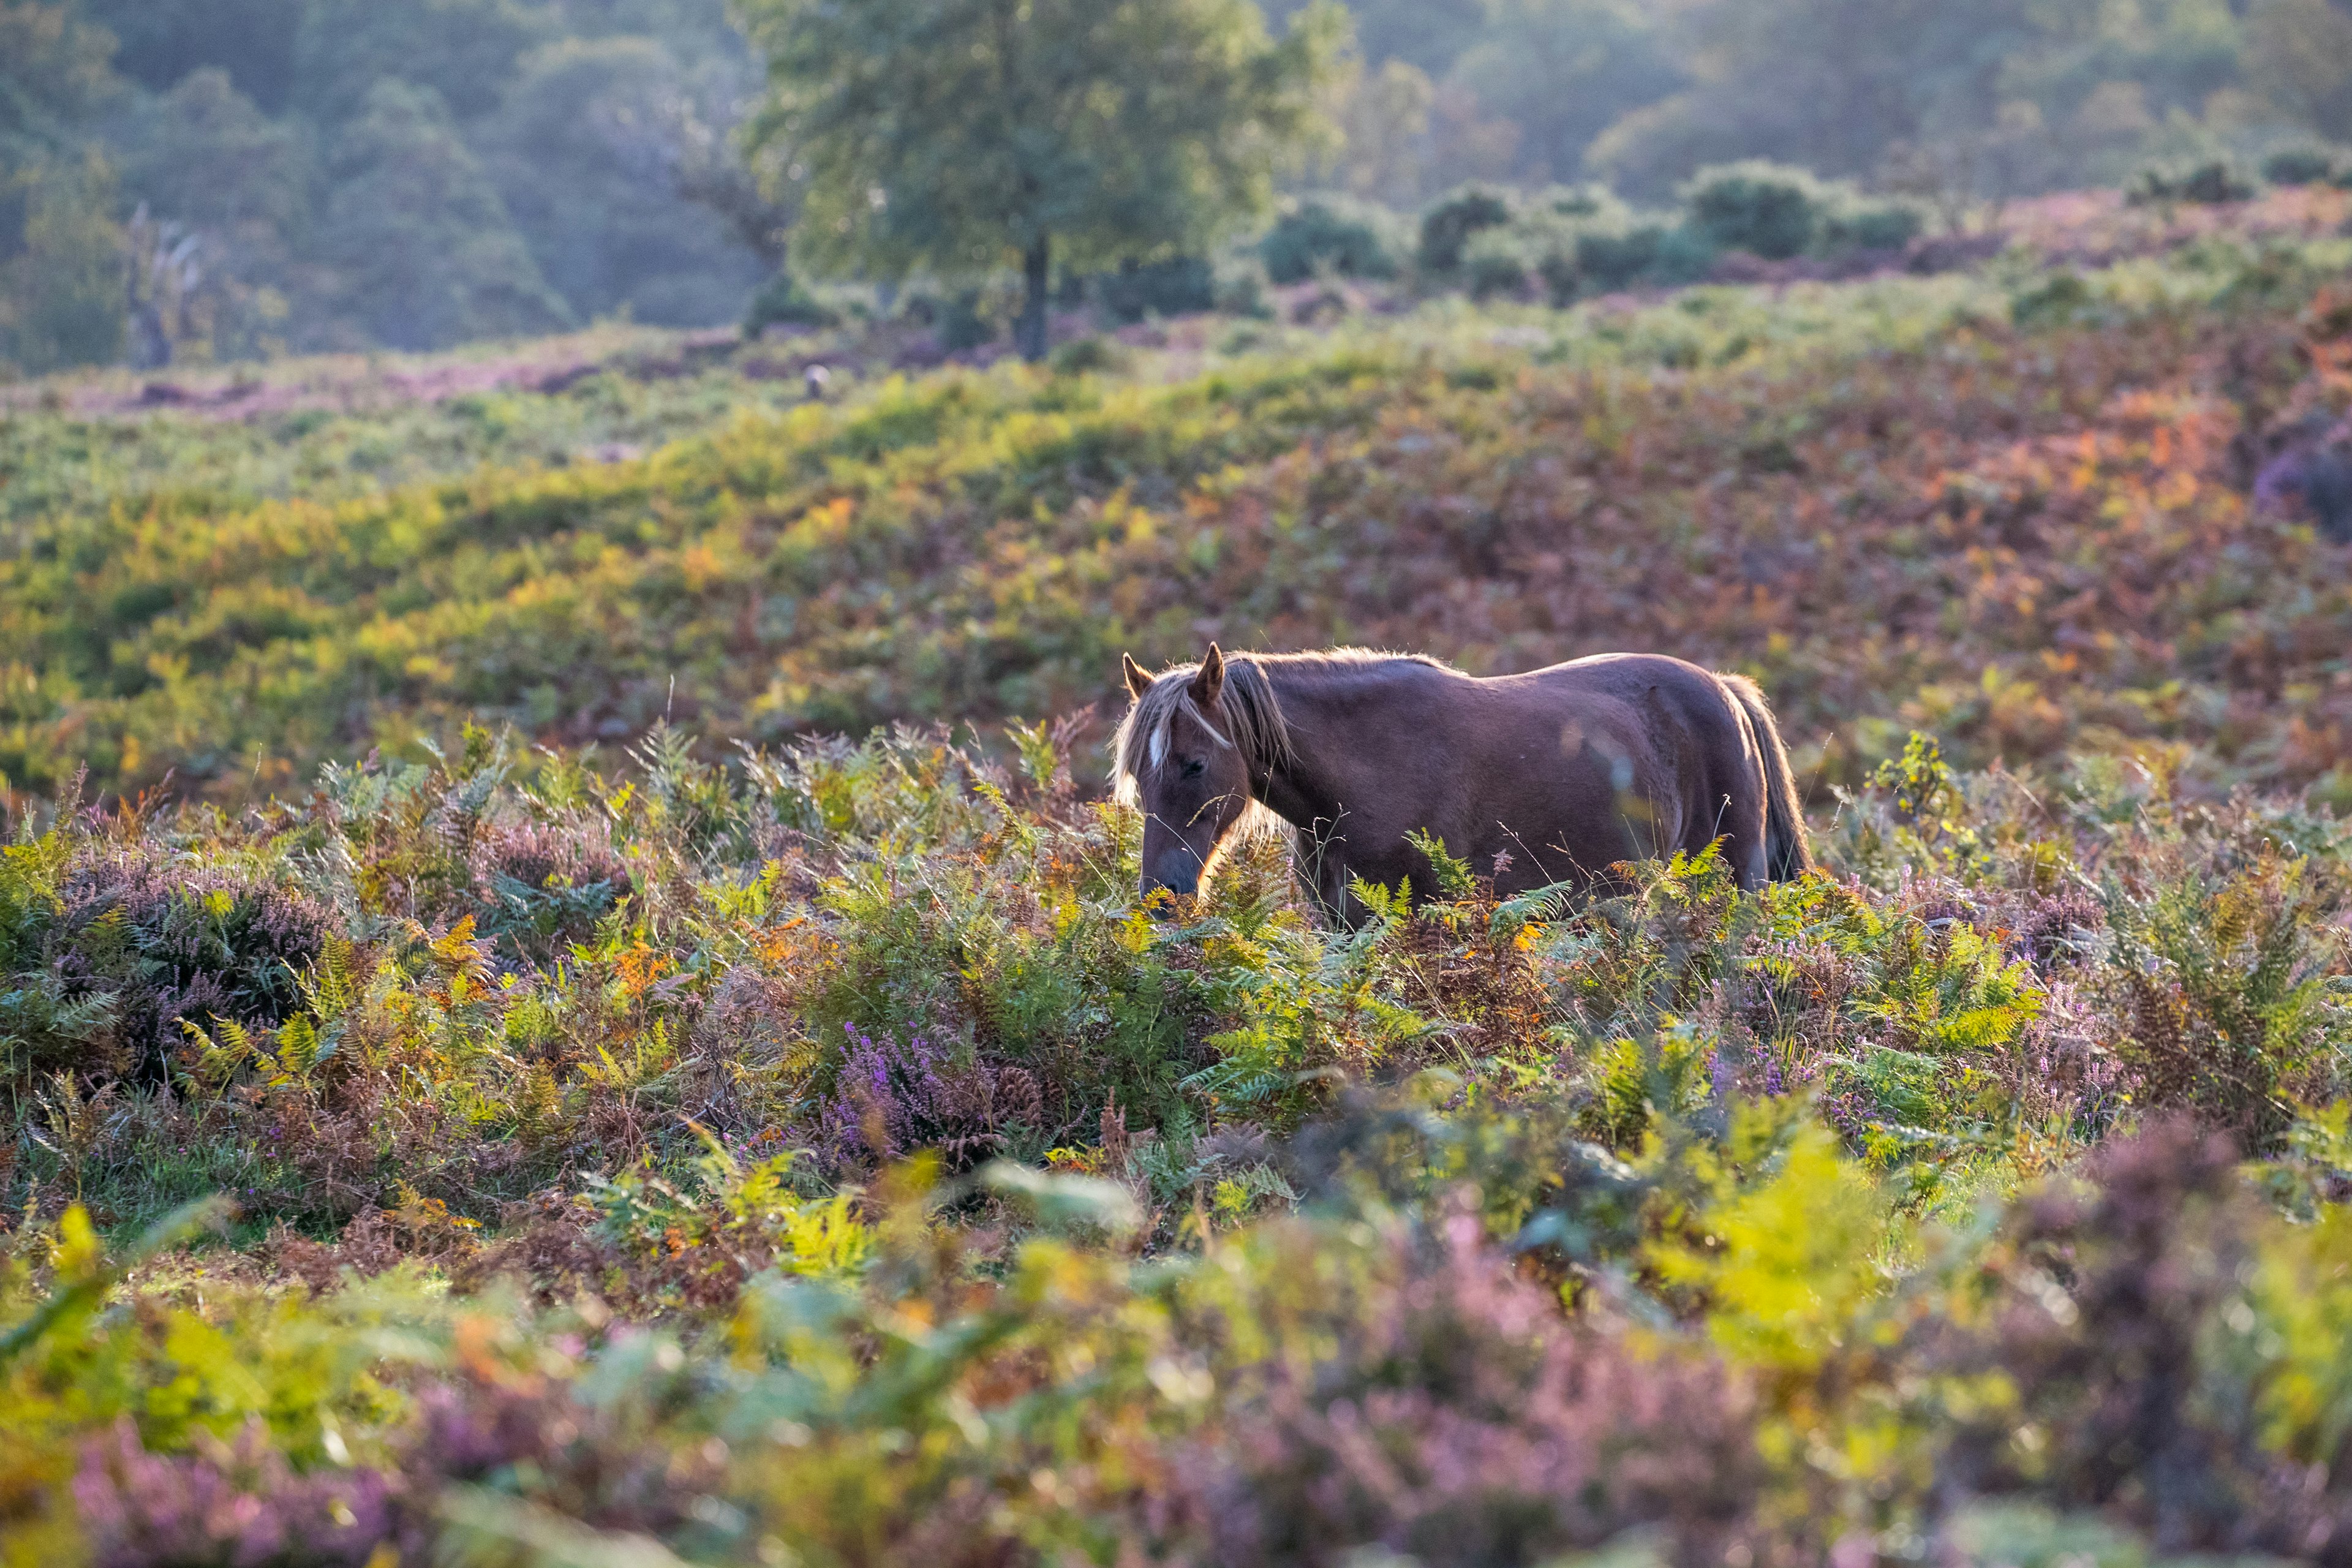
point(1195, 746)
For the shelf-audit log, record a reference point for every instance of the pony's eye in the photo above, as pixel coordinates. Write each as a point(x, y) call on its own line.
point(1195, 768)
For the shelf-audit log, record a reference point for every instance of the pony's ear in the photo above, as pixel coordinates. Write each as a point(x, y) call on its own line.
point(1211, 681)
point(1138, 683)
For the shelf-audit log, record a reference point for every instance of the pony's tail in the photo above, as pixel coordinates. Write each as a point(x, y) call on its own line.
point(1786, 855)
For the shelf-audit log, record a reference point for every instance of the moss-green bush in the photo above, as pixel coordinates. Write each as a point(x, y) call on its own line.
point(1766, 209)
point(1449, 224)
point(1352, 238)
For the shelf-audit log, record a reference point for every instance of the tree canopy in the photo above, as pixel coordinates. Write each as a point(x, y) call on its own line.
point(596, 146)
point(466, 273)
point(960, 137)
point(53, 73)
point(347, 173)
point(586, 150)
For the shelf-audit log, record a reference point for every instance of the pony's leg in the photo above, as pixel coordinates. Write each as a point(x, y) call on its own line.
point(1742, 840)
point(1754, 866)
point(1320, 865)
point(1330, 884)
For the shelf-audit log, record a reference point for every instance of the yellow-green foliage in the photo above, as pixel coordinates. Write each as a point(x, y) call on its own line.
point(985, 544)
point(185, 1357)
point(1786, 1262)
point(740, 1213)
point(2301, 1324)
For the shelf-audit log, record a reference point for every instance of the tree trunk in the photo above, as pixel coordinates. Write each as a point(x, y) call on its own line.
point(1029, 332)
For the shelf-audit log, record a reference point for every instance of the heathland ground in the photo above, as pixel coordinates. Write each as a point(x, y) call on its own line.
point(490, 1080)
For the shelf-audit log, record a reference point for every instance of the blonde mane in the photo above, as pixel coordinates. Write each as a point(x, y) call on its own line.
point(1251, 721)
point(1251, 715)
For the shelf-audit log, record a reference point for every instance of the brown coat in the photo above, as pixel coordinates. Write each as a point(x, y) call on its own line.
point(1553, 776)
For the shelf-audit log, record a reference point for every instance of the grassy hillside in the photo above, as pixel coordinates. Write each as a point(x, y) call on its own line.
point(2010, 512)
point(210, 442)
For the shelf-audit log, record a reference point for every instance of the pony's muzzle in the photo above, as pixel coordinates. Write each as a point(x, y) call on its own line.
point(1177, 871)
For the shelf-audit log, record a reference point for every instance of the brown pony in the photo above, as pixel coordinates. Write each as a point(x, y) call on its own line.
point(1539, 779)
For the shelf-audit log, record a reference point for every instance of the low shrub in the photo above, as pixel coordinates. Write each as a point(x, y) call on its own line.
point(1607, 262)
point(784, 301)
point(2300, 166)
point(1240, 283)
point(1495, 263)
point(1870, 225)
point(1577, 203)
point(238, 649)
point(1181, 286)
point(2220, 995)
point(1087, 356)
point(890, 1099)
point(1766, 209)
point(1447, 226)
point(2106, 1297)
point(2214, 183)
point(1452, 1418)
point(964, 322)
point(1706, 1224)
point(1353, 238)
point(1686, 254)
point(2057, 300)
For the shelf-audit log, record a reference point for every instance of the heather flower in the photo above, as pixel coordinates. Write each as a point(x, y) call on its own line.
point(239, 1504)
point(1461, 1419)
point(172, 941)
point(890, 1099)
point(2109, 1296)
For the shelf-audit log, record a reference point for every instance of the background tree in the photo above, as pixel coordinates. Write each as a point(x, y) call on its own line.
point(2301, 59)
point(1083, 134)
point(1383, 116)
point(963, 136)
point(416, 231)
point(54, 74)
point(1562, 71)
point(1427, 34)
point(235, 187)
point(163, 41)
point(207, 152)
point(1828, 84)
point(61, 279)
point(467, 51)
point(588, 153)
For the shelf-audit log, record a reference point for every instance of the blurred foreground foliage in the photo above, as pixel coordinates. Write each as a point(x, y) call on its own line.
point(822, 1159)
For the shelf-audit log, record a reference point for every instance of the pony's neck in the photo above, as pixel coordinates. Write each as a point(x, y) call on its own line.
point(1305, 787)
